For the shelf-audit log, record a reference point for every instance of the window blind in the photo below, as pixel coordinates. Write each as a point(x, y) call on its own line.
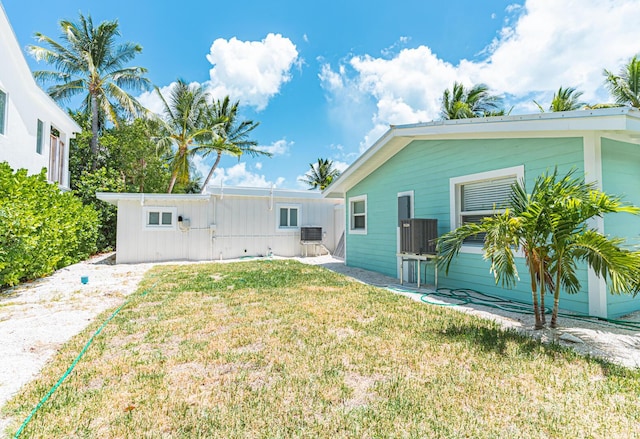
point(486, 195)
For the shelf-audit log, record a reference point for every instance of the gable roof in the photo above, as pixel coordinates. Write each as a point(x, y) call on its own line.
point(619, 122)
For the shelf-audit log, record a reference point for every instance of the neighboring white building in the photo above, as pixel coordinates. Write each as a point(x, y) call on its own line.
point(34, 130)
point(227, 223)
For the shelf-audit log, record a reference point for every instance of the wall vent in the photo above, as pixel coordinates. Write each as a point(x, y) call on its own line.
point(418, 236)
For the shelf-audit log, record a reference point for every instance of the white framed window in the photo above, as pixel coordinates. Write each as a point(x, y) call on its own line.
point(288, 216)
point(159, 218)
point(3, 112)
point(358, 215)
point(39, 136)
point(475, 196)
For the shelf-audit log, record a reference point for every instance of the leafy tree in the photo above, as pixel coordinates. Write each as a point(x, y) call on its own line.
point(320, 174)
point(565, 99)
point(88, 60)
point(229, 134)
point(549, 225)
point(184, 128)
point(462, 103)
point(625, 86)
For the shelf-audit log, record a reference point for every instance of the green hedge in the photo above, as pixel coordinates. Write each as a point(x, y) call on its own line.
point(41, 228)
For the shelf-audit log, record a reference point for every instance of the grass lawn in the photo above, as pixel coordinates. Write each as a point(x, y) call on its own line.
point(278, 349)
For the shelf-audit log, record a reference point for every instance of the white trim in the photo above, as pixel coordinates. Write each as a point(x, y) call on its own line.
point(159, 227)
point(296, 206)
point(352, 200)
point(597, 287)
point(400, 266)
point(454, 196)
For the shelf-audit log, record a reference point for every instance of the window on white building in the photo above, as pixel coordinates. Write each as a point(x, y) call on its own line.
point(476, 196)
point(160, 217)
point(288, 216)
point(3, 111)
point(358, 214)
point(39, 136)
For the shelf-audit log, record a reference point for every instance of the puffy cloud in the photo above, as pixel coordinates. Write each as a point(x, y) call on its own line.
point(151, 101)
point(279, 147)
point(239, 175)
point(251, 71)
point(543, 44)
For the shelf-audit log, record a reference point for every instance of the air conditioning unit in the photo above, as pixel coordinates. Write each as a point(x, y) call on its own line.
point(418, 236)
point(311, 234)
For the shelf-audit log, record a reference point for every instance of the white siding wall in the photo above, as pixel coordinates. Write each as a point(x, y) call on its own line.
point(26, 103)
point(225, 227)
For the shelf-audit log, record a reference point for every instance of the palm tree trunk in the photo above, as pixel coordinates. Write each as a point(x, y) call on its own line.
point(534, 297)
point(541, 280)
point(556, 297)
point(174, 176)
point(203, 189)
point(94, 131)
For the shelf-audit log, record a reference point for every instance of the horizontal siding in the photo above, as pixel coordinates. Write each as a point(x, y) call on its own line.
point(621, 176)
point(426, 167)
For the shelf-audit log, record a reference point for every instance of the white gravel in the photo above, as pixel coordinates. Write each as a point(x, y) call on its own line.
point(37, 318)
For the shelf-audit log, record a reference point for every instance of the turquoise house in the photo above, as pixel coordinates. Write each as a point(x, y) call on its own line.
point(457, 169)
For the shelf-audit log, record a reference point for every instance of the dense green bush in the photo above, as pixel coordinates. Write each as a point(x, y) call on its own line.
point(41, 229)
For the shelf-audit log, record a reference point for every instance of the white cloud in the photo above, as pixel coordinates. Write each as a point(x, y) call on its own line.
point(258, 165)
point(251, 71)
point(279, 147)
point(544, 44)
point(239, 175)
point(151, 101)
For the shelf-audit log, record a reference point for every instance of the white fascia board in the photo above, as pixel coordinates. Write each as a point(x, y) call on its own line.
point(621, 120)
point(115, 197)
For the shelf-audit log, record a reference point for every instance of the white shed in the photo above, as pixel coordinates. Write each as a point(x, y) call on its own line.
point(226, 223)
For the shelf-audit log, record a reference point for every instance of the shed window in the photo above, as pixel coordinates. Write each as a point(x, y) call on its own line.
point(159, 218)
point(288, 216)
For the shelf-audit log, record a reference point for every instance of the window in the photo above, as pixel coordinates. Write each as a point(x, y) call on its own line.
point(476, 196)
point(358, 214)
point(160, 218)
point(3, 111)
point(288, 216)
point(39, 137)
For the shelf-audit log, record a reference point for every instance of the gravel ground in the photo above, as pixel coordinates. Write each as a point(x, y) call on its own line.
point(37, 318)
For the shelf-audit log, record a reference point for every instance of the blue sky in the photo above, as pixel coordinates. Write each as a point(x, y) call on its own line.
point(325, 79)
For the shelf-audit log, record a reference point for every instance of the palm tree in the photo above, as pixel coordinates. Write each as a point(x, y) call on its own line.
point(320, 174)
point(625, 87)
point(183, 128)
point(549, 225)
point(462, 103)
point(565, 99)
point(229, 134)
point(89, 61)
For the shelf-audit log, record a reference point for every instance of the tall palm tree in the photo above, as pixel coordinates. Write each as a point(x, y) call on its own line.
point(565, 99)
point(229, 134)
point(625, 87)
point(183, 128)
point(462, 103)
point(549, 225)
point(88, 60)
point(320, 174)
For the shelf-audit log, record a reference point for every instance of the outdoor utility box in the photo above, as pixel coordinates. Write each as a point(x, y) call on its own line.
point(418, 236)
point(311, 234)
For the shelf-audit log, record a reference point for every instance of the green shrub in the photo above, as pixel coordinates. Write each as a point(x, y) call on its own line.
point(41, 228)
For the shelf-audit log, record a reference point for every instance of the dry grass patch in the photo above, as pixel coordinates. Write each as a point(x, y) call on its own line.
point(280, 349)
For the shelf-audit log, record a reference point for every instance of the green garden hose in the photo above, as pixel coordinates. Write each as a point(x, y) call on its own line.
point(73, 364)
point(466, 296)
